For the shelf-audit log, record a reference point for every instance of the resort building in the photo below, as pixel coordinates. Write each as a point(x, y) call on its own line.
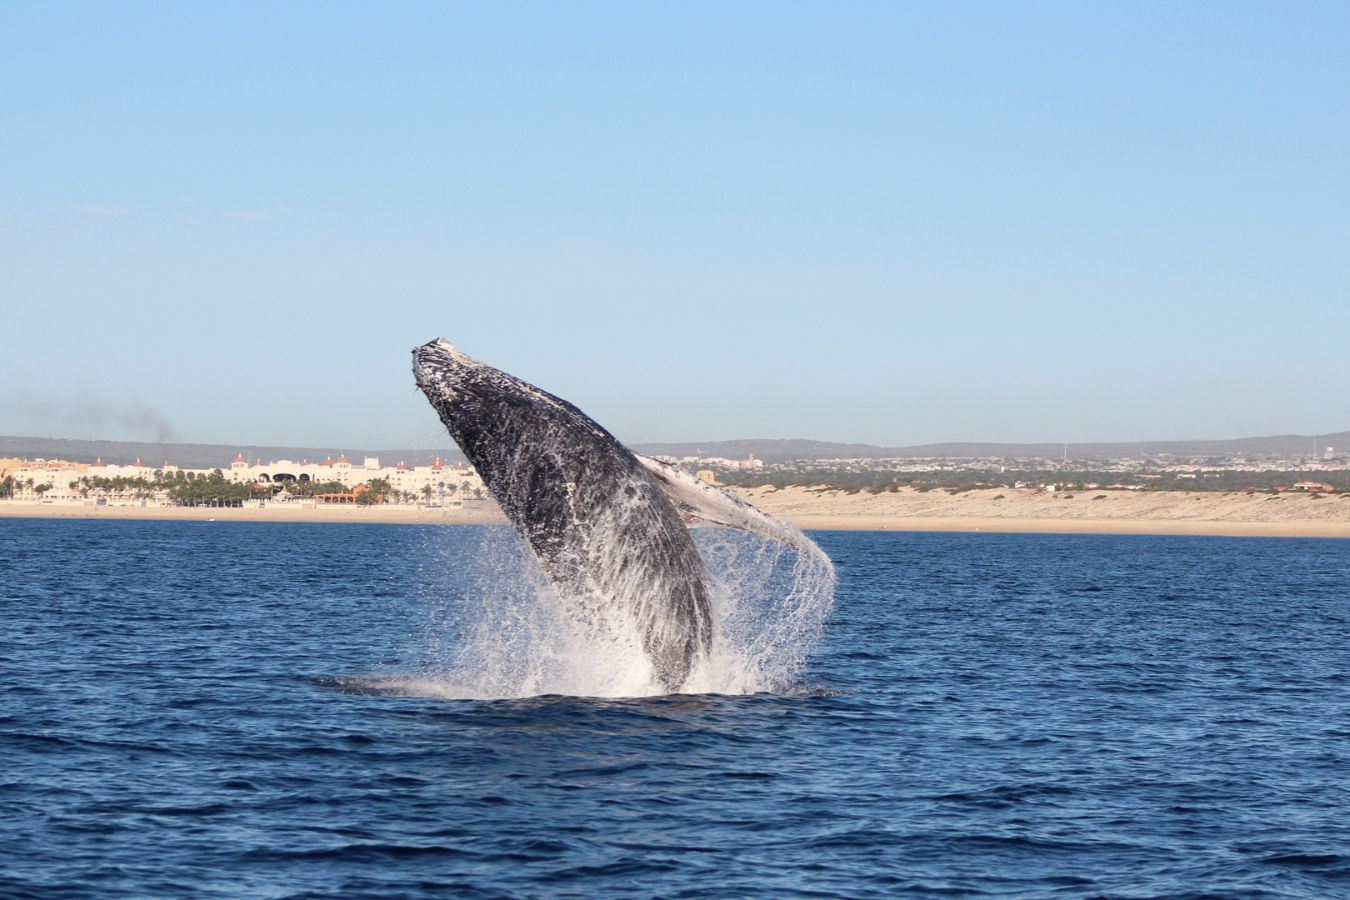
point(59, 481)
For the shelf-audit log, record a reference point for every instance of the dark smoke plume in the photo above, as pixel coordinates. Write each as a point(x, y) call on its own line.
point(86, 412)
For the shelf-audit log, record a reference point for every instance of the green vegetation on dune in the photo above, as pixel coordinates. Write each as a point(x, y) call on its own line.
point(876, 482)
point(193, 489)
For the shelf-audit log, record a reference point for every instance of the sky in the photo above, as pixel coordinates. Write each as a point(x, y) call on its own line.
point(890, 223)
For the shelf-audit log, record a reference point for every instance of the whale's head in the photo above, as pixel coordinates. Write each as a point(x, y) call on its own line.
point(442, 372)
point(450, 378)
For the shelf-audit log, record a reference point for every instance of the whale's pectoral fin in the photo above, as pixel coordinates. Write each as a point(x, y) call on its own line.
point(694, 496)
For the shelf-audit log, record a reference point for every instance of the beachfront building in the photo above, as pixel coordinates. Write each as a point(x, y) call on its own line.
point(435, 483)
point(41, 479)
point(58, 480)
point(61, 481)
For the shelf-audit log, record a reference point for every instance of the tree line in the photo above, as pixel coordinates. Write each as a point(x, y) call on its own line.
point(195, 489)
point(876, 482)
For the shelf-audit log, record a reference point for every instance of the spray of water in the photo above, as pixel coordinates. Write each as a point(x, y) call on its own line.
point(502, 630)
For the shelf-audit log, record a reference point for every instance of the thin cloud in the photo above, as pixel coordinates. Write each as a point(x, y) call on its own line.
point(101, 209)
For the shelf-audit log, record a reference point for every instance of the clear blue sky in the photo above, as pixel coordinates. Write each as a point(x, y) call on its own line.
point(890, 223)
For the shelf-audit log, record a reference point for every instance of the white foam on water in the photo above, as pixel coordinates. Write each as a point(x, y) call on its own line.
point(770, 602)
point(510, 635)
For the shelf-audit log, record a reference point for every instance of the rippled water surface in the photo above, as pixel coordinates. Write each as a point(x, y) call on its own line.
point(197, 709)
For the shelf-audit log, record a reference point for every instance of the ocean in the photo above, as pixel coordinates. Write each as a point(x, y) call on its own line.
point(196, 709)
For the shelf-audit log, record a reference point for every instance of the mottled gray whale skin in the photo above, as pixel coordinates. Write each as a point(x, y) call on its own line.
point(602, 529)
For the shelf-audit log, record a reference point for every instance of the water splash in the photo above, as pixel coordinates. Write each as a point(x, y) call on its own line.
point(502, 631)
point(770, 602)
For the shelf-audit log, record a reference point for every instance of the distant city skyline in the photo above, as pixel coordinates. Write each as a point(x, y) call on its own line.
point(881, 223)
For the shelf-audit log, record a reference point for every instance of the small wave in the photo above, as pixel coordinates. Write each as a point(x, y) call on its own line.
point(995, 842)
point(239, 784)
point(434, 687)
point(1005, 795)
point(1304, 859)
point(206, 809)
point(355, 852)
point(441, 687)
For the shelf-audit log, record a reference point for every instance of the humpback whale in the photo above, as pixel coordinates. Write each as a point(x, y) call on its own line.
point(606, 525)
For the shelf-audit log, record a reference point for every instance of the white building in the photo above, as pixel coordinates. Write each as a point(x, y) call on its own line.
point(64, 482)
point(436, 483)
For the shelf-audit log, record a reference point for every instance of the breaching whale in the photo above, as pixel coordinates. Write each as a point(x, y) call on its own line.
point(605, 524)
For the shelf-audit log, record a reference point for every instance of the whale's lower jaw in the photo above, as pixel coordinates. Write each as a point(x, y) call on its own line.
point(604, 532)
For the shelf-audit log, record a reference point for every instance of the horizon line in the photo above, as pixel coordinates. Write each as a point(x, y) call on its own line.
point(715, 441)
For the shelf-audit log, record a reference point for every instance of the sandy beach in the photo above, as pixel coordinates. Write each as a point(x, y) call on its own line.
point(991, 510)
point(1083, 512)
point(375, 515)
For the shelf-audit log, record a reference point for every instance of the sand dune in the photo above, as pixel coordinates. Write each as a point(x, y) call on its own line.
point(1094, 511)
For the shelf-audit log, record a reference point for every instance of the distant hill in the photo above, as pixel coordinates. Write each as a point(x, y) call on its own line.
point(200, 456)
point(765, 448)
point(770, 450)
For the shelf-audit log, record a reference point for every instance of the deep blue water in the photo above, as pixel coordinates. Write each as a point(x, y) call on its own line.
point(988, 715)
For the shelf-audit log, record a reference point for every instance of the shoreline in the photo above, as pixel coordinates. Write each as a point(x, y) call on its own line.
point(374, 515)
point(819, 518)
point(1137, 527)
